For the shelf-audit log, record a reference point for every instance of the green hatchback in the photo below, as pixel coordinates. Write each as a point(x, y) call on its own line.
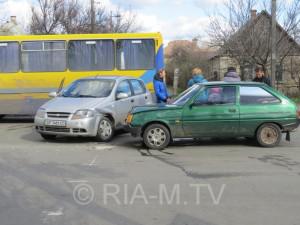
point(217, 109)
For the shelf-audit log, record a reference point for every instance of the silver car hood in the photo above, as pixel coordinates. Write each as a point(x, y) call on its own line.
point(71, 105)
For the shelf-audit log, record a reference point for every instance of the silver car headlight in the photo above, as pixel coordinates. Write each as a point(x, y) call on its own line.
point(41, 113)
point(82, 114)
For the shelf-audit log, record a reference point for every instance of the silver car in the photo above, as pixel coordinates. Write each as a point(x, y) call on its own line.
point(93, 107)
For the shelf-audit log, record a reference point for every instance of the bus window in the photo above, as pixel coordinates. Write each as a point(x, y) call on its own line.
point(44, 56)
point(9, 55)
point(91, 55)
point(135, 54)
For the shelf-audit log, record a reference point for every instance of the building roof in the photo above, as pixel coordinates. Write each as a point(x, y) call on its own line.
point(253, 22)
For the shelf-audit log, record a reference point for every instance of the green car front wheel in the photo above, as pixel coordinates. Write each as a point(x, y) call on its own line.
point(156, 136)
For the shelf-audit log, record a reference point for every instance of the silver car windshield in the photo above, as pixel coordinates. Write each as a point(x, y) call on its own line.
point(89, 89)
point(186, 95)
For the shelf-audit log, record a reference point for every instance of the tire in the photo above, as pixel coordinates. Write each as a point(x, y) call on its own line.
point(1, 116)
point(268, 135)
point(156, 136)
point(48, 137)
point(105, 130)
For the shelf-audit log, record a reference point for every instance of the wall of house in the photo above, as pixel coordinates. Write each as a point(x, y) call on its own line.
point(291, 76)
point(289, 84)
point(220, 65)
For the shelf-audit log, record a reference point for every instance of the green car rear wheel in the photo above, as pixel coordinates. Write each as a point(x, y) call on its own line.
point(269, 135)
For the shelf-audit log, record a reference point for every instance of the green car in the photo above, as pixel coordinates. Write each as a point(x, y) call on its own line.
point(217, 109)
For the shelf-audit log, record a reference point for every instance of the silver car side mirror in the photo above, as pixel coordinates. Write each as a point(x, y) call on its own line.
point(52, 94)
point(122, 95)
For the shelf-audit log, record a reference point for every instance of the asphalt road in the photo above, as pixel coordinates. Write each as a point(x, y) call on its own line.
point(80, 182)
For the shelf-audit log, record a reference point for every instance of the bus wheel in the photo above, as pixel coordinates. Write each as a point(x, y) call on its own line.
point(48, 137)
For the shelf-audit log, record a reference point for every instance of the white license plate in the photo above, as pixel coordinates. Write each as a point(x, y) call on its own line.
point(56, 123)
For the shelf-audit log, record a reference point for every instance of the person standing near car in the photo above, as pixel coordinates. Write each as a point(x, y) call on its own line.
point(160, 87)
point(260, 76)
point(197, 77)
point(231, 75)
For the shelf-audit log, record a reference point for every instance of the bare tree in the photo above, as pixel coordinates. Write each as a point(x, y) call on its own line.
point(246, 37)
point(71, 16)
point(185, 56)
point(46, 18)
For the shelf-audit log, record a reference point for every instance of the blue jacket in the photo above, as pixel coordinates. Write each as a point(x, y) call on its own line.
point(196, 79)
point(161, 91)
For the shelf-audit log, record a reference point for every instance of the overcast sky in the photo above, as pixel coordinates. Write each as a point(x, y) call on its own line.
point(177, 19)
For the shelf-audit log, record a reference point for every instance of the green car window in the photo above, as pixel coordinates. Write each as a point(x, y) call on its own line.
point(256, 95)
point(217, 95)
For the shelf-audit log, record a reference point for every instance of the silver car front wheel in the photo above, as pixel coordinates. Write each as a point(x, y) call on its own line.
point(105, 130)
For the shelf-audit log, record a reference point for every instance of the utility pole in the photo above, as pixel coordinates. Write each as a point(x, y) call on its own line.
point(93, 16)
point(118, 16)
point(273, 41)
point(175, 81)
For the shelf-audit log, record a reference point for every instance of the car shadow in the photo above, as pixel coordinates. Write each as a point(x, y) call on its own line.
point(137, 143)
point(17, 119)
point(35, 137)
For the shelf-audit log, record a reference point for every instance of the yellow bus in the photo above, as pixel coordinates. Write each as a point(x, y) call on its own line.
point(32, 66)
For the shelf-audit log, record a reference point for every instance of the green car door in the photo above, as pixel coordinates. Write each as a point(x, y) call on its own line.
point(213, 112)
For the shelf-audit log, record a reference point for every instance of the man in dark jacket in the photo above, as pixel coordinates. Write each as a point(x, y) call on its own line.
point(260, 76)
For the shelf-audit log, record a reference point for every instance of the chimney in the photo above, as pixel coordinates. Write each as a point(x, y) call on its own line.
point(253, 14)
point(195, 41)
point(13, 19)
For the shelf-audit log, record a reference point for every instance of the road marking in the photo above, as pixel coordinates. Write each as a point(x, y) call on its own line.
point(104, 147)
point(77, 181)
point(93, 161)
point(59, 212)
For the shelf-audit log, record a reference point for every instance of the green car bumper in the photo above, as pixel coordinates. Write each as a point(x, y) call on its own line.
point(135, 131)
point(291, 127)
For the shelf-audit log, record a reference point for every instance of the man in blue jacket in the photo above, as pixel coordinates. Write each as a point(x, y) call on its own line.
point(160, 87)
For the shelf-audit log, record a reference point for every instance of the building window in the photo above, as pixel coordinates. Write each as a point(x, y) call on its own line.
point(135, 54)
point(9, 55)
point(44, 56)
point(91, 55)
